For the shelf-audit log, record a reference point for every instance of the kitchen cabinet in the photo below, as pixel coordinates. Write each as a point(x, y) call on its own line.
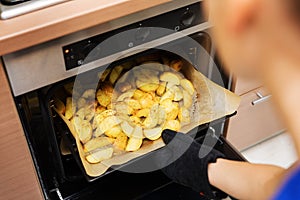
point(256, 118)
point(17, 172)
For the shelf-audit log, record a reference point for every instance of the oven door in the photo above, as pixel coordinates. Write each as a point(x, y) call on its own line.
point(60, 173)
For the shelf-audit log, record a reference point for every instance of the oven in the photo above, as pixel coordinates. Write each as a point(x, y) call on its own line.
point(40, 73)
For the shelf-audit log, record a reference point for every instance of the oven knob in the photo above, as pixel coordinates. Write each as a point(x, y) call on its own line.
point(187, 18)
point(142, 34)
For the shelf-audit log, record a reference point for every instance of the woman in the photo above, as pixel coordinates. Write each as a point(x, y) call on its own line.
point(258, 38)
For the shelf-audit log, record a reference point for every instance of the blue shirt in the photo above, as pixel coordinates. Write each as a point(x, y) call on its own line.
point(291, 188)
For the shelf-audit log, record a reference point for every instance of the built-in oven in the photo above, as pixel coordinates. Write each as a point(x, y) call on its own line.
point(37, 75)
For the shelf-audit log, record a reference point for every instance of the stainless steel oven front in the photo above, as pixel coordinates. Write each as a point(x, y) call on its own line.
point(37, 74)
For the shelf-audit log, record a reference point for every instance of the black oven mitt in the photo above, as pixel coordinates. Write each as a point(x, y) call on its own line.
point(185, 161)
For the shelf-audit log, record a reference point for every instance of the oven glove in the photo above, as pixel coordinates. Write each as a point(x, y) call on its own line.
point(183, 162)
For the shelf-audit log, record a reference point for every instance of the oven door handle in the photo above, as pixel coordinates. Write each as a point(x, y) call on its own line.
point(261, 98)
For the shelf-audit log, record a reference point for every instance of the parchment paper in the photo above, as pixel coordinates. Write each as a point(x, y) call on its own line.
point(213, 102)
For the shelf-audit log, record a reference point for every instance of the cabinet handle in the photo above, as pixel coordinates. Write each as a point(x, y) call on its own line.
point(261, 98)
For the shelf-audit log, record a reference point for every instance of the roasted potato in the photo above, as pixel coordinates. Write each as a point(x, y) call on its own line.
point(103, 98)
point(147, 87)
point(97, 142)
point(133, 104)
point(115, 73)
point(153, 134)
point(99, 118)
point(137, 132)
point(83, 129)
point(127, 128)
point(184, 115)
point(81, 102)
point(138, 94)
point(121, 141)
point(89, 94)
point(176, 65)
point(172, 125)
point(99, 155)
point(126, 95)
point(167, 95)
point(187, 85)
point(161, 88)
point(60, 106)
point(177, 93)
point(152, 119)
point(187, 99)
point(102, 75)
point(134, 144)
point(70, 108)
point(109, 122)
point(143, 112)
point(114, 132)
point(170, 77)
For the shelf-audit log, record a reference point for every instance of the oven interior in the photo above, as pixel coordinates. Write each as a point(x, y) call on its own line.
point(61, 175)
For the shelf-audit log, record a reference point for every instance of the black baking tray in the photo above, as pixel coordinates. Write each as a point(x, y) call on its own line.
point(197, 132)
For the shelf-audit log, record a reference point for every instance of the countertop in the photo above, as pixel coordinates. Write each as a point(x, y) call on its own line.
point(58, 20)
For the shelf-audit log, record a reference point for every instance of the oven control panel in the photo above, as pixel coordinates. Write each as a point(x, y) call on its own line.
point(75, 54)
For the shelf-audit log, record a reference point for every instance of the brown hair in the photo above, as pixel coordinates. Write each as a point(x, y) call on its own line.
point(295, 8)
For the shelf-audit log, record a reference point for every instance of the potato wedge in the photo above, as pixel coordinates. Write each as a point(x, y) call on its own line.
point(134, 144)
point(138, 94)
point(153, 134)
point(137, 132)
point(135, 120)
point(109, 122)
point(97, 142)
point(99, 155)
point(172, 125)
point(147, 87)
point(100, 109)
point(167, 95)
point(123, 109)
point(187, 85)
point(126, 95)
point(103, 98)
point(115, 73)
point(70, 108)
point(143, 112)
point(170, 77)
point(127, 128)
point(174, 111)
point(83, 129)
point(184, 115)
point(176, 65)
point(98, 132)
point(60, 106)
point(152, 119)
point(99, 118)
point(121, 141)
point(146, 102)
point(187, 99)
point(114, 132)
point(161, 88)
point(123, 87)
point(89, 94)
point(81, 102)
point(133, 104)
point(177, 93)
point(162, 115)
point(102, 75)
